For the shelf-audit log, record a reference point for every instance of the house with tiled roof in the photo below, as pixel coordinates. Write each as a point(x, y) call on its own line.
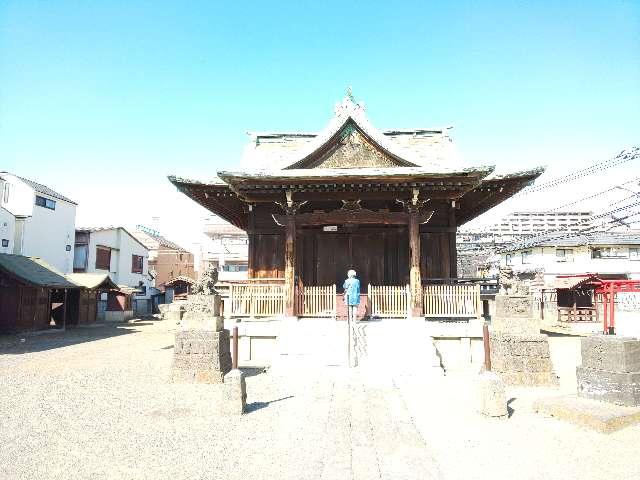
point(116, 252)
point(36, 221)
point(607, 254)
point(167, 259)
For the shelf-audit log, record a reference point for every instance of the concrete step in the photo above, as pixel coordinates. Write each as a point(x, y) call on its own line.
point(310, 343)
point(394, 347)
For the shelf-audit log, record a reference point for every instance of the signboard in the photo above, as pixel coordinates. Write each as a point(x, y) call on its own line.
point(330, 228)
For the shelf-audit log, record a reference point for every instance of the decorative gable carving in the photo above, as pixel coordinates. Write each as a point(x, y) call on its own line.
point(352, 149)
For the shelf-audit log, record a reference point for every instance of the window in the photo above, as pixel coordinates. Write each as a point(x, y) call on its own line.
point(564, 254)
point(5, 242)
point(5, 192)
point(234, 268)
point(508, 258)
point(634, 253)
point(137, 262)
point(45, 202)
point(103, 258)
point(526, 257)
point(80, 254)
point(608, 252)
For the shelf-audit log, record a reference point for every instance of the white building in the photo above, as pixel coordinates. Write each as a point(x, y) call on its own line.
point(115, 251)
point(610, 253)
point(36, 221)
point(519, 224)
point(226, 248)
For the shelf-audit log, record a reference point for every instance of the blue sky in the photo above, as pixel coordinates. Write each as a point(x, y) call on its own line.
point(101, 100)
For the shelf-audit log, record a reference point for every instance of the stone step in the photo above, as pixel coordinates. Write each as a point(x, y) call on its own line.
point(310, 343)
point(392, 346)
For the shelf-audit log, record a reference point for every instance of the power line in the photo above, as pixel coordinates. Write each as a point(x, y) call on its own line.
point(589, 197)
point(545, 236)
point(623, 157)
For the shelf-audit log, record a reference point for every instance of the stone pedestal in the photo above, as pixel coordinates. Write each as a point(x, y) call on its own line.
point(492, 399)
point(515, 315)
point(610, 370)
point(234, 395)
point(522, 359)
point(519, 353)
point(201, 351)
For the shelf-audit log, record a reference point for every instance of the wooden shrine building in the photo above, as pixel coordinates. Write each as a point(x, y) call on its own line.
point(385, 203)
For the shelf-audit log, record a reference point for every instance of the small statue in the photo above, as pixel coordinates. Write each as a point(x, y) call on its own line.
point(207, 282)
point(505, 279)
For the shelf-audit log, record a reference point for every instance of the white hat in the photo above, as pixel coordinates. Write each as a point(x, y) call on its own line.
point(351, 273)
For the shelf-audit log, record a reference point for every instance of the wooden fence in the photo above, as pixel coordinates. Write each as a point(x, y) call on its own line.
point(577, 314)
point(452, 301)
point(316, 301)
point(256, 300)
point(389, 301)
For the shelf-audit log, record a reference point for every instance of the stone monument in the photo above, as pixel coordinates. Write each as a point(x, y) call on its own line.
point(519, 352)
point(201, 352)
point(610, 370)
point(492, 398)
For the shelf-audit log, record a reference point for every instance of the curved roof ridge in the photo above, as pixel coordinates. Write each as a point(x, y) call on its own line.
point(345, 111)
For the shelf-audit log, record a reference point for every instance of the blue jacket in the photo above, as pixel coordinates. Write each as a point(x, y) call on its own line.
point(352, 291)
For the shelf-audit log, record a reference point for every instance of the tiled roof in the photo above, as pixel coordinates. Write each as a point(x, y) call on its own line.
point(33, 271)
point(180, 278)
point(92, 280)
point(559, 239)
point(102, 229)
point(574, 281)
point(425, 147)
point(40, 188)
point(144, 236)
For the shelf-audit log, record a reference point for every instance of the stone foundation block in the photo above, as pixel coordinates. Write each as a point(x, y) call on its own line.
point(514, 306)
point(530, 379)
point(201, 356)
point(621, 388)
point(611, 353)
point(522, 359)
point(492, 399)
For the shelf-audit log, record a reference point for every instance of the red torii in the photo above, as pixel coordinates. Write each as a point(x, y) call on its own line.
point(608, 290)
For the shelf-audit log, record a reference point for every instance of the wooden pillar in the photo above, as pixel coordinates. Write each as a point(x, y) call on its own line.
point(453, 249)
point(64, 314)
point(251, 244)
point(415, 278)
point(289, 265)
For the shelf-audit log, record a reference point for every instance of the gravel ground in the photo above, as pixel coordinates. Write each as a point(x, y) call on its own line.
point(96, 403)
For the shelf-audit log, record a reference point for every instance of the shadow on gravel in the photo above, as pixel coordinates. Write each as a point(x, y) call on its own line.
point(254, 406)
point(510, 410)
point(29, 342)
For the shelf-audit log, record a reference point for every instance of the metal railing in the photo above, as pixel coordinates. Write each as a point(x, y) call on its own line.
point(389, 301)
point(452, 301)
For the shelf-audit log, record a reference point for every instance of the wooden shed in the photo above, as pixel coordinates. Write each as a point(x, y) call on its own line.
point(576, 297)
point(83, 303)
point(33, 295)
point(180, 286)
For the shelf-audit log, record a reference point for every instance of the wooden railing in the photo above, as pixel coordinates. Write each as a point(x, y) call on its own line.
point(389, 301)
point(577, 314)
point(316, 301)
point(256, 300)
point(452, 301)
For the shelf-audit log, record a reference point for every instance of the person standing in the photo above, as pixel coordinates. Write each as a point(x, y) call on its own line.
point(351, 288)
